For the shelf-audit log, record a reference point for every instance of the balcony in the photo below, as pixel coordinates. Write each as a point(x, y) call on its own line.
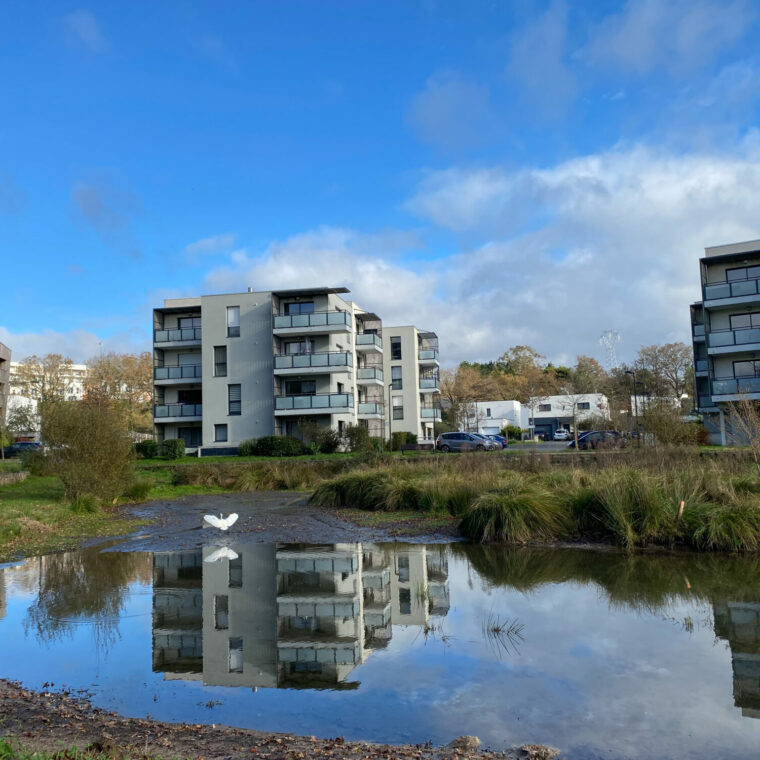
point(700, 367)
point(369, 342)
point(313, 364)
point(428, 356)
point(706, 402)
point(430, 413)
point(731, 341)
point(735, 388)
point(370, 410)
point(177, 374)
point(729, 293)
point(369, 376)
point(430, 385)
point(698, 332)
point(181, 336)
point(188, 412)
point(320, 403)
point(317, 322)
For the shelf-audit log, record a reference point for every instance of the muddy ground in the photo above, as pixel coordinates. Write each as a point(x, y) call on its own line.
point(276, 516)
point(50, 721)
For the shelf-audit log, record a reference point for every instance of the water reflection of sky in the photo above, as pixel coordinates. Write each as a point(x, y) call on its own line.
point(595, 677)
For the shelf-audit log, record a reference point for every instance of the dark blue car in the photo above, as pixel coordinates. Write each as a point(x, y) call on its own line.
point(18, 448)
point(500, 439)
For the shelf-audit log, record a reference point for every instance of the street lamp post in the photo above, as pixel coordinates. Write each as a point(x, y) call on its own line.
point(632, 372)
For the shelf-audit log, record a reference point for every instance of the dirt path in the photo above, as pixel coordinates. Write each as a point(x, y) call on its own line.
point(281, 516)
point(50, 722)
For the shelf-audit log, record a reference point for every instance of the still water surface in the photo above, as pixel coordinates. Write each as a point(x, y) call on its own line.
point(599, 654)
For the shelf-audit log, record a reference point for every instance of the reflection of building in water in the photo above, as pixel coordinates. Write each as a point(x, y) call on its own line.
point(2, 595)
point(293, 616)
point(739, 624)
point(177, 613)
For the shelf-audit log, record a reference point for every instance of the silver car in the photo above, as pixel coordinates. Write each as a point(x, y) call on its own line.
point(462, 441)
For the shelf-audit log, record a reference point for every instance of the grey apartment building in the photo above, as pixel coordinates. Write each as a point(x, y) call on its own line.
point(725, 327)
point(232, 367)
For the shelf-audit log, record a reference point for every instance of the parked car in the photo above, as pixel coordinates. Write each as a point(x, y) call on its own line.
point(18, 448)
point(562, 435)
point(500, 439)
point(599, 439)
point(491, 445)
point(461, 441)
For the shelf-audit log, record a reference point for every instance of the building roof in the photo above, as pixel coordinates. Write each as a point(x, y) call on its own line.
point(732, 251)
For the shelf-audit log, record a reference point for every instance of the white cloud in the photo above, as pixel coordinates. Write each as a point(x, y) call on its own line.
point(537, 62)
point(678, 35)
point(452, 112)
point(84, 29)
point(211, 245)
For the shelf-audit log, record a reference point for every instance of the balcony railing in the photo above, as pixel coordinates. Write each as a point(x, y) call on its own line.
point(426, 383)
point(430, 412)
point(316, 319)
point(732, 289)
point(735, 385)
point(718, 338)
point(369, 373)
point(698, 331)
point(177, 410)
point(370, 407)
point(176, 335)
point(426, 354)
point(700, 365)
point(178, 372)
point(317, 401)
point(323, 359)
point(705, 401)
point(369, 339)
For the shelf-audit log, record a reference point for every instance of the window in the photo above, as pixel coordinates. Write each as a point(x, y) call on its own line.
point(584, 405)
point(233, 399)
point(396, 348)
point(233, 321)
point(396, 382)
point(235, 573)
point(220, 433)
point(544, 407)
point(405, 601)
point(220, 361)
point(743, 321)
point(742, 273)
point(298, 346)
point(236, 656)
point(300, 387)
point(747, 369)
point(488, 411)
point(398, 407)
point(221, 612)
point(304, 307)
point(402, 568)
point(186, 322)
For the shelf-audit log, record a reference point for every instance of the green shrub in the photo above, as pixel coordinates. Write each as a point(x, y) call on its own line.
point(140, 489)
point(411, 437)
point(276, 446)
point(327, 440)
point(398, 439)
point(36, 462)
point(377, 443)
point(363, 490)
point(146, 449)
point(84, 503)
point(357, 438)
point(512, 432)
point(246, 448)
point(173, 448)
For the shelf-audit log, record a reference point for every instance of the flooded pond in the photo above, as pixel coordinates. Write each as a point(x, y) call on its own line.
point(602, 655)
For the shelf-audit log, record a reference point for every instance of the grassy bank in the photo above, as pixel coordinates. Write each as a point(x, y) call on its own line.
point(653, 497)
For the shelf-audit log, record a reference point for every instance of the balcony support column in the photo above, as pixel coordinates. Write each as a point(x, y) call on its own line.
point(722, 425)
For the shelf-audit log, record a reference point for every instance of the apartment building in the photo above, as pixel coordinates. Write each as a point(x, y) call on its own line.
point(725, 328)
point(244, 365)
point(288, 615)
point(5, 366)
point(412, 377)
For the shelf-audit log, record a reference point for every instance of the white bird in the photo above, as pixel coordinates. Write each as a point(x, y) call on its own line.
point(223, 552)
point(223, 523)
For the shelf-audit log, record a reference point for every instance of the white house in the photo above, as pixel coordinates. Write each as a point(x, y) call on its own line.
point(549, 413)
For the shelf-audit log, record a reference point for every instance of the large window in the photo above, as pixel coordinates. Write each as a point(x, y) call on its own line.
point(743, 321)
point(236, 656)
point(396, 348)
point(235, 572)
point(300, 387)
point(747, 369)
point(742, 273)
point(398, 407)
point(303, 346)
point(584, 405)
point(234, 403)
point(302, 307)
point(220, 361)
point(186, 322)
point(221, 612)
point(233, 321)
point(220, 433)
point(396, 382)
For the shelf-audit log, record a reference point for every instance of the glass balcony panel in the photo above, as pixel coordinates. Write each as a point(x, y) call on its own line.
point(705, 401)
point(701, 365)
point(369, 373)
point(721, 339)
point(319, 360)
point(282, 321)
point(717, 291)
point(747, 288)
point(748, 384)
point(721, 387)
point(747, 336)
point(283, 402)
point(283, 362)
point(428, 382)
point(699, 330)
point(299, 320)
point(428, 353)
point(318, 320)
point(302, 402)
point(300, 360)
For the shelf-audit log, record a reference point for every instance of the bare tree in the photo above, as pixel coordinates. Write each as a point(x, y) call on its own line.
point(667, 366)
point(44, 379)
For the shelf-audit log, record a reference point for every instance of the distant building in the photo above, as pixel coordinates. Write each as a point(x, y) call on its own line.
point(5, 366)
point(491, 417)
point(550, 413)
point(725, 328)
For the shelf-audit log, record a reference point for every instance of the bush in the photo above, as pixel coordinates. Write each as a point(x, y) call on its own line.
point(146, 449)
point(512, 432)
point(92, 453)
point(275, 446)
point(36, 462)
point(173, 448)
point(377, 444)
point(327, 440)
point(246, 448)
point(398, 439)
point(84, 503)
point(411, 438)
point(140, 489)
point(357, 438)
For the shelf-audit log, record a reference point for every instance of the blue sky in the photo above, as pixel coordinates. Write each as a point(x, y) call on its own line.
point(501, 172)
